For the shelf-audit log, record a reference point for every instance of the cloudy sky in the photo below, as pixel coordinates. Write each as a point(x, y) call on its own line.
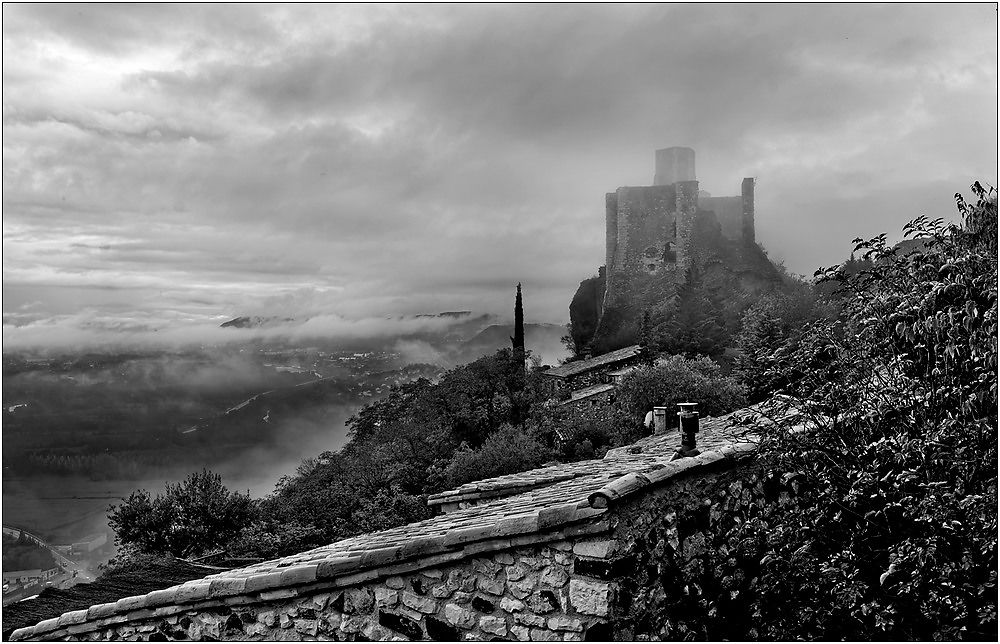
point(174, 165)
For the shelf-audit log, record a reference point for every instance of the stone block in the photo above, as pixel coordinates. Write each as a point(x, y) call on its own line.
point(71, 618)
point(316, 602)
point(256, 583)
point(601, 549)
point(298, 575)
point(441, 591)
point(590, 597)
point(503, 558)
point(330, 568)
point(491, 585)
point(487, 546)
point(524, 524)
point(278, 593)
point(528, 619)
point(485, 567)
point(532, 562)
point(161, 597)
point(459, 616)
point(461, 579)
point(227, 586)
point(517, 571)
point(522, 588)
point(511, 605)
point(396, 583)
point(421, 547)
point(354, 623)
point(544, 635)
point(493, 625)
point(520, 632)
point(381, 557)
point(357, 601)
point(565, 623)
point(432, 573)
point(564, 546)
point(125, 604)
point(554, 576)
point(418, 603)
point(386, 597)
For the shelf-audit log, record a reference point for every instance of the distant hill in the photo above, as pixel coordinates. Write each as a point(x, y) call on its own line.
point(544, 340)
point(254, 322)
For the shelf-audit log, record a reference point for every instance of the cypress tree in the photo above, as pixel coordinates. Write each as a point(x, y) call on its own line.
point(518, 339)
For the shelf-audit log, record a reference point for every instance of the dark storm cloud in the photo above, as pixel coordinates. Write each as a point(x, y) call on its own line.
point(373, 159)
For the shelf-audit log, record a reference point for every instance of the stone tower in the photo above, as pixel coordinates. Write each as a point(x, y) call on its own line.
point(649, 246)
point(673, 165)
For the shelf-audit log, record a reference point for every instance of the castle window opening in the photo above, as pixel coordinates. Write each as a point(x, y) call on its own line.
point(669, 254)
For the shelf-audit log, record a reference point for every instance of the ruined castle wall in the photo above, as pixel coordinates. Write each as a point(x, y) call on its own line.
point(729, 213)
point(611, 232)
point(685, 207)
point(645, 225)
point(748, 210)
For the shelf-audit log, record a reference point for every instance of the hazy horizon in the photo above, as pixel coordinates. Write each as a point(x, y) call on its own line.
point(169, 167)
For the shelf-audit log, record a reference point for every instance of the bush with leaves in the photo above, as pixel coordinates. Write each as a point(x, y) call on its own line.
point(677, 379)
point(776, 320)
point(508, 451)
point(190, 518)
point(897, 538)
point(587, 431)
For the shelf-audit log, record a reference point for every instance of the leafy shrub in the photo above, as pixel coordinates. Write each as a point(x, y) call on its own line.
point(192, 517)
point(678, 379)
point(898, 538)
point(589, 431)
point(270, 539)
point(508, 451)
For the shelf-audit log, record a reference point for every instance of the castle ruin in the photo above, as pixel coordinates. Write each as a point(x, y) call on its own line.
point(655, 236)
point(649, 227)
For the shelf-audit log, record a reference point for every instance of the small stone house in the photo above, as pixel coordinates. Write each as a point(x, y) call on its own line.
point(581, 374)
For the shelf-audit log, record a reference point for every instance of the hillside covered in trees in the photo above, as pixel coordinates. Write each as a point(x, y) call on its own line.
point(892, 355)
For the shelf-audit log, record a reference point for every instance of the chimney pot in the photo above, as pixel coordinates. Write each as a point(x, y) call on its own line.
point(659, 420)
point(689, 428)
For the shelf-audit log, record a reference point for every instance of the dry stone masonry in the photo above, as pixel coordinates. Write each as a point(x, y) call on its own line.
point(558, 554)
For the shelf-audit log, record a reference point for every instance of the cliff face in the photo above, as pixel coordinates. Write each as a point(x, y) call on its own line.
point(585, 310)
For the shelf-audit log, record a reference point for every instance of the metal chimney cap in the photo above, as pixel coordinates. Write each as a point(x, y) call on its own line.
point(688, 407)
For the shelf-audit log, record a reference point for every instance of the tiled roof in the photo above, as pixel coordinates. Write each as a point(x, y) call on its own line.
point(542, 505)
point(571, 369)
point(587, 392)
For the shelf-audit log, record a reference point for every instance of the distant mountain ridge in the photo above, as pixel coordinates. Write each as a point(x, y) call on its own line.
point(255, 322)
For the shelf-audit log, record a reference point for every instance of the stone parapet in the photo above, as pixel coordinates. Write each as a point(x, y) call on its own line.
point(540, 564)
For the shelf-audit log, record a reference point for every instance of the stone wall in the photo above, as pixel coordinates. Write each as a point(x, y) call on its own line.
point(685, 569)
point(534, 593)
point(632, 546)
